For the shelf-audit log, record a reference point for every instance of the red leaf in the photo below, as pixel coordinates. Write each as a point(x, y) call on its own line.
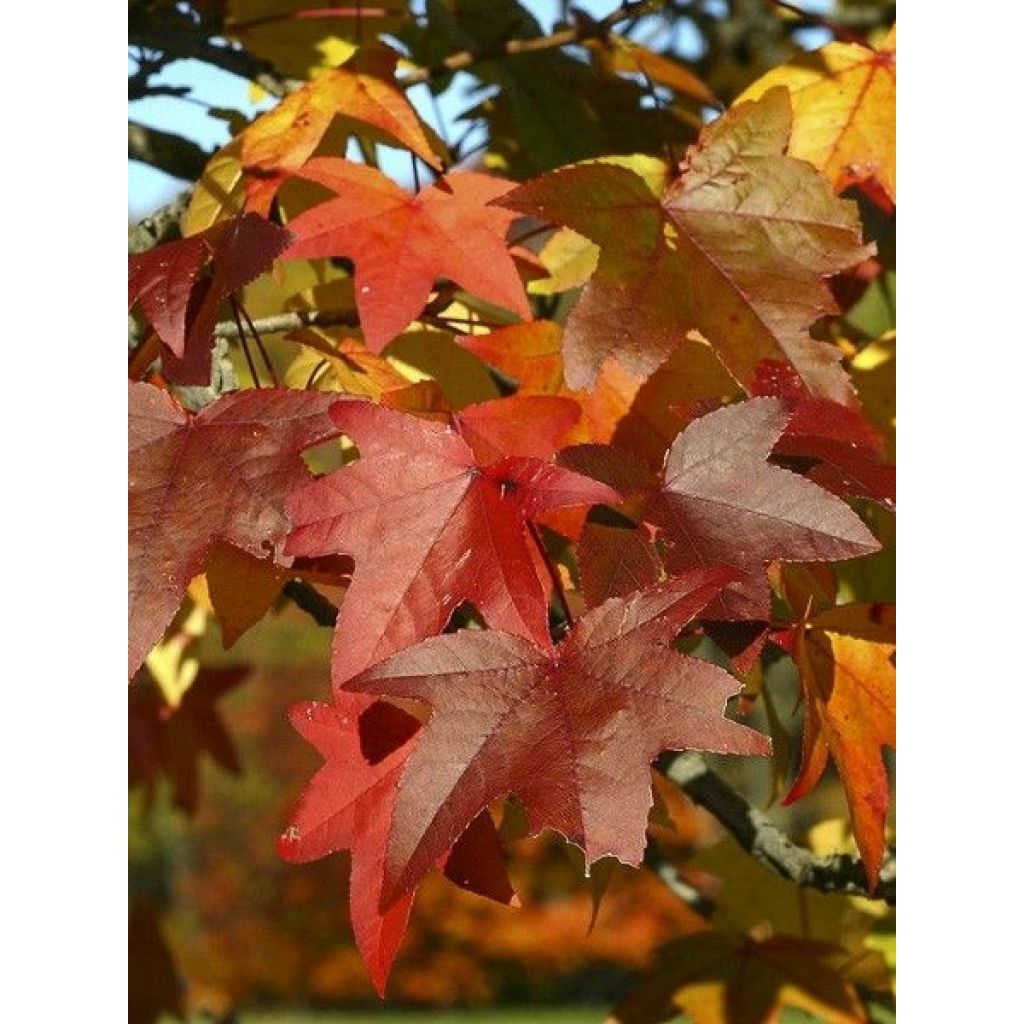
point(193, 480)
point(181, 304)
point(429, 527)
point(722, 503)
point(402, 243)
point(848, 450)
point(348, 805)
point(571, 732)
point(530, 425)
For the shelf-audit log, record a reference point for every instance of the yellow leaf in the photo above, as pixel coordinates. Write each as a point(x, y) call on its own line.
point(570, 260)
point(435, 355)
point(303, 38)
point(844, 112)
point(722, 978)
point(749, 897)
point(220, 192)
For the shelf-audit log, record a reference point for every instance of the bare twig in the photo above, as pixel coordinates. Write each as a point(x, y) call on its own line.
point(582, 31)
point(177, 34)
point(767, 844)
point(821, 21)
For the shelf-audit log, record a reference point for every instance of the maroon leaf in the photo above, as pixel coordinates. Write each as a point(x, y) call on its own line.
point(166, 741)
point(847, 452)
point(182, 304)
point(723, 503)
point(193, 480)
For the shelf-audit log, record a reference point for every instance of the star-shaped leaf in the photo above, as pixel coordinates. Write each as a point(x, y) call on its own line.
point(348, 805)
point(402, 243)
point(570, 732)
point(739, 248)
point(164, 740)
point(430, 525)
point(193, 480)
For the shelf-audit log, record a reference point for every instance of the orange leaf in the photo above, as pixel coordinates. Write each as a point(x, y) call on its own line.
point(277, 144)
point(850, 691)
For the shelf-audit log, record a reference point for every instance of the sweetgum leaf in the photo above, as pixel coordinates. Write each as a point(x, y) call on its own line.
point(614, 561)
point(844, 113)
point(739, 248)
point(401, 243)
point(348, 805)
point(723, 503)
point(193, 480)
point(181, 303)
point(571, 732)
point(430, 525)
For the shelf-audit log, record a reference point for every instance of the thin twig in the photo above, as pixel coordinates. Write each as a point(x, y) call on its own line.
point(837, 30)
point(291, 322)
point(662, 115)
point(581, 32)
point(314, 373)
point(177, 156)
point(556, 580)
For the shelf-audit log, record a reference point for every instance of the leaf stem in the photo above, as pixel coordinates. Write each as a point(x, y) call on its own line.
point(556, 580)
point(259, 344)
point(245, 345)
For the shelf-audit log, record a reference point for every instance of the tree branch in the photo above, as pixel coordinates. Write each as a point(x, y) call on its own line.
point(160, 226)
point(767, 844)
point(584, 29)
point(179, 157)
point(178, 35)
point(312, 602)
point(292, 322)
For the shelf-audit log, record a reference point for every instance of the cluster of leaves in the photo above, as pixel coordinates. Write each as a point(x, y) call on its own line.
point(552, 438)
